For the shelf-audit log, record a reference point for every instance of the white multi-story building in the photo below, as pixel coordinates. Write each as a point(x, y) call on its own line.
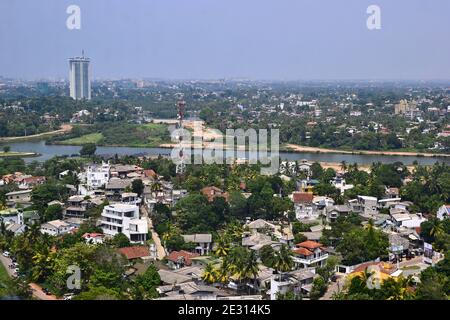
point(124, 218)
point(97, 175)
point(80, 82)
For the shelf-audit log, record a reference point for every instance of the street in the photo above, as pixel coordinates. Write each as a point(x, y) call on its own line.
point(160, 251)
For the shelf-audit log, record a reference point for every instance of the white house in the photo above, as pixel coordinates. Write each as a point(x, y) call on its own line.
point(443, 212)
point(124, 218)
point(56, 227)
point(408, 220)
point(97, 175)
point(339, 183)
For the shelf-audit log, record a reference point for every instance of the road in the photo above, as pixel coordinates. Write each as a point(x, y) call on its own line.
point(64, 129)
point(334, 287)
point(160, 251)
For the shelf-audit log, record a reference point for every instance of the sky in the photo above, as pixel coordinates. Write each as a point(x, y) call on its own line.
point(215, 39)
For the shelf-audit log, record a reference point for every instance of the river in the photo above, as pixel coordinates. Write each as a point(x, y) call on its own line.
point(48, 151)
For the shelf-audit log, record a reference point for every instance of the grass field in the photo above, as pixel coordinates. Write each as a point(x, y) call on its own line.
point(87, 138)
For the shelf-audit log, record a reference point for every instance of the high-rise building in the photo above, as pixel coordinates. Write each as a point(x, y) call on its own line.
point(80, 82)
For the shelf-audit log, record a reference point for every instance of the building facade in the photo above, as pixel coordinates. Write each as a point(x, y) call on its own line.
point(79, 76)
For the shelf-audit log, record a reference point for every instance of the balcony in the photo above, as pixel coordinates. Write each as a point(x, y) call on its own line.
point(312, 260)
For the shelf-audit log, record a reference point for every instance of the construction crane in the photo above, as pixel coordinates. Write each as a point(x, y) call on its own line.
point(181, 166)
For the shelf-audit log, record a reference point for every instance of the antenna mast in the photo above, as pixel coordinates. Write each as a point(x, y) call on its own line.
point(181, 167)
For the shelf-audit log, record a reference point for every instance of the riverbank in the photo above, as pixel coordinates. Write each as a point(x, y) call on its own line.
point(65, 128)
point(298, 148)
point(18, 154)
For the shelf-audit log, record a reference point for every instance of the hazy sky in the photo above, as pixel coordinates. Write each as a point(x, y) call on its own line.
point(204, 39)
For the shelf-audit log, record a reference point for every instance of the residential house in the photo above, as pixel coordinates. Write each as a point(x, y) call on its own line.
point(16, 228)
point(179, 259)
point(56, 227)
point(309, 254)
point(97, 176)
point(29, 182)
point(124, 218)
point(21, 197)
point(203, 242)
point(136, 252)
point(298, 281)
point(336, 211)
point(340, 183)
point(365, 205)
point(93, 238)
point(213, 192)
point(115, 187)
point(443, 212)
point(303, 205)
point(407, 220)
point(122, 171)
point(11, 215)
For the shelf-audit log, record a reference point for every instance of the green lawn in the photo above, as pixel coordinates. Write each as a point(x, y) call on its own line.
point(87, 138)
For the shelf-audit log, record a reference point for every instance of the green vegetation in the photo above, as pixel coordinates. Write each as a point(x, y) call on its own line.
point(117, 134)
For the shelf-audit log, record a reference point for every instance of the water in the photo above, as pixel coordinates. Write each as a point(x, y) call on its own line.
point(48, 151)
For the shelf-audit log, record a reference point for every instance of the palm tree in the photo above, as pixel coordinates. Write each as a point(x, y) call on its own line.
point(223, 273)
point(344, 166)
point(251, 267)
point(209, 273)
point(283, 261)
point(222, 246)
point(436, 228)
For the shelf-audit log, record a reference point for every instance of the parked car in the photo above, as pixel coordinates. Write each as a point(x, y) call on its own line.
point(6, 254)
point(46, 291)
point(68, 296)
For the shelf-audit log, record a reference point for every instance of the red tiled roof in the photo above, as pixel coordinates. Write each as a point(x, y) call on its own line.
point(303, 197)
point(92, 235)
point(175, 256)
point(135, 252)
point(309, 244)
point(303, 251)
point(150, 173)
point(213, 192)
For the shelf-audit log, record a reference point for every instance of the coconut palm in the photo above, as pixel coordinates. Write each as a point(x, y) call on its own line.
point(251, 267)
point(344, 166)
point(209, 273)
point(283, 261)
point(436, 228)
point(222, 246)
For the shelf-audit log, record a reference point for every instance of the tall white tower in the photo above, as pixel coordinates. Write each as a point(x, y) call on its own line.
point(79, 76)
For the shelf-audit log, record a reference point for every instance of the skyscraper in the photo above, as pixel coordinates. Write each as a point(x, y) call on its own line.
point(80, 82)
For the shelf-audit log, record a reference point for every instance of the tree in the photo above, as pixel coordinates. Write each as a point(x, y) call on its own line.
point(120, 241)
point(137, 187)
point(88, 149)
point(209, 274)
point(318, 289)
point(360, 245)
point(144, 286)
point(6, 149)
point(267, 256)
point(53, 212)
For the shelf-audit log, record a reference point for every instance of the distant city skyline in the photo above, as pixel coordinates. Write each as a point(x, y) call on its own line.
point(252, 39)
